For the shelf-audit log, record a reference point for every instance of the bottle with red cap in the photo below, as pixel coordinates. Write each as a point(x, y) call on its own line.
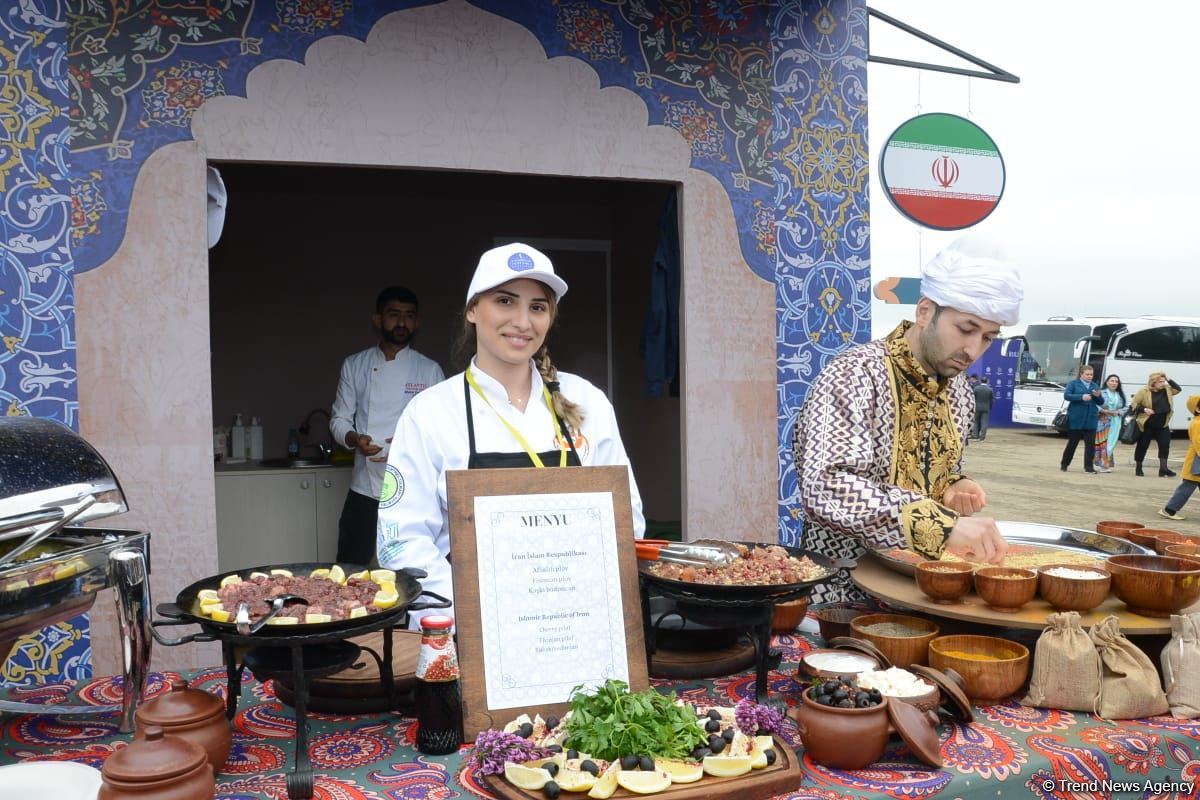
point(438, 696)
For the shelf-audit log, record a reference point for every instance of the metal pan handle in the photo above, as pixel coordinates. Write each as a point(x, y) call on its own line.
point(174, 616)
point(419, 605)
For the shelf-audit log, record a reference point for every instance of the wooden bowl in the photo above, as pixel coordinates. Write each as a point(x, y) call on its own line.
point(835, 622)
point(1005, 589)
point(1074, 594)
point(1117, 528)
point(944, 581)
point(789, 615)
point(902, 651)
point(1188, 551)
point(1146, 537)
point(1164, 540)
point(1155, 586)
point(991, 668)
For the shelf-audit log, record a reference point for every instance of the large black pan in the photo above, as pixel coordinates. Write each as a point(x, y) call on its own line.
point(188, 601)
point(712, 591)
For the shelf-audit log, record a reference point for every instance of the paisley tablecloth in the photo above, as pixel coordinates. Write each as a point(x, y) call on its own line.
point(1009, 751)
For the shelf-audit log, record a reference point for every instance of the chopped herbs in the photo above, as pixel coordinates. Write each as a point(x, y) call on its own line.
point(614, 722)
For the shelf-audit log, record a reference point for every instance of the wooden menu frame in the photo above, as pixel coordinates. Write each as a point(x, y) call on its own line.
point(462, 487)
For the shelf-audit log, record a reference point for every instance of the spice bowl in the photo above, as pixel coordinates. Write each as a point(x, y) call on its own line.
point(903, 639)
point(1164, 540)
point(1073, 592)
point(1155, 586)
point(1189, 551)
point(1147, 537)
point(991, 668)
point(944, 581)
point(1116, 527)
point(1005, 589)
point(834, 622)
point(788, 615)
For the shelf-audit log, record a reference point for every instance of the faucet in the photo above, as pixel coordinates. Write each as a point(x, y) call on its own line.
point(326, 450)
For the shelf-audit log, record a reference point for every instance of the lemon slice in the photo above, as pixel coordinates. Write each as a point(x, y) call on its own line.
point(230, 580)
point(533, 778)
point(727, 766)
point(383, 575)
point(758, 756)
point(387, 587)
point(309, 619)
point(680, 771)
point(220, 614)
point(337, 574)
point(742, 745)
point(606, 784)
point(640, 782)
point(206, 605)
point(285, 573)
point(40, 581)
point(765, 742)
point(574, 780)
point(207, 594)
point(358, 611)
point(364, 575)
point(386, 599)
point(283, 621)
point(256, 575)
point(323, 572)
point(67, 570)
point(21, 584)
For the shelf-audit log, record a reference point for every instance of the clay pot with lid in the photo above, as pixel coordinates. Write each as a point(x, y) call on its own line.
point(191, 714)
point(842, 738)
point(158, 767)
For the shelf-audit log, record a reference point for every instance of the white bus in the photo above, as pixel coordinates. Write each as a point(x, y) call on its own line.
point(1051, 350)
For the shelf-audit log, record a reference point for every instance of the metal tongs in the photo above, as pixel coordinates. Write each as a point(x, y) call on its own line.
point(700, 553)
point(242, 620)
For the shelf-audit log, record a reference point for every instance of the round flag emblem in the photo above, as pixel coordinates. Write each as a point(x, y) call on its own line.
point(942, 171)
point(393, 487)
point(519, 262)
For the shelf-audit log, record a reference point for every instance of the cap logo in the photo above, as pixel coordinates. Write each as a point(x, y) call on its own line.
point(519, 262)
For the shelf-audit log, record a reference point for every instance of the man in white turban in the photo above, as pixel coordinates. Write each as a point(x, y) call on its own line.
point(878, 445)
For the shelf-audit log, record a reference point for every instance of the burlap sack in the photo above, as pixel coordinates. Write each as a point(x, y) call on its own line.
point(1066, 667)
point(1181, 666)
point(1129, 685)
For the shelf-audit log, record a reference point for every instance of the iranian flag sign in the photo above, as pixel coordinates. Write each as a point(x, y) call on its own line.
point(942, 171)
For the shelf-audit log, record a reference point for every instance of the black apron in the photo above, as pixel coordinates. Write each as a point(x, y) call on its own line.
point(550, 458)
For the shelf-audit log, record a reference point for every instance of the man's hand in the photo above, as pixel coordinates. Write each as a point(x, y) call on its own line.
point(977, 539)
point(364, 445)
point(383, 458)
point(965, 497)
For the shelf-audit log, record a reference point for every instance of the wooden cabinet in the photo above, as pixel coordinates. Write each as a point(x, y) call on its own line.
point(278, 516)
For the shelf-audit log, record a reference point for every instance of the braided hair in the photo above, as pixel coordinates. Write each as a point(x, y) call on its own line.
point(571, 413)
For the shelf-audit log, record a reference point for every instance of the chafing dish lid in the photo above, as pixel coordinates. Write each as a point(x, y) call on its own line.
point(46, 467)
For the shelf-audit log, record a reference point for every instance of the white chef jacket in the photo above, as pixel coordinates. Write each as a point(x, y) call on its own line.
point(372, 392)
point(431, 438)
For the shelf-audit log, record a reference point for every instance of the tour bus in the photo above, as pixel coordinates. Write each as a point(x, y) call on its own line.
point(1050, 351)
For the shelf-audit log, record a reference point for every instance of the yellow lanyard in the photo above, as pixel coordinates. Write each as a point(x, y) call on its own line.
point(537, 461)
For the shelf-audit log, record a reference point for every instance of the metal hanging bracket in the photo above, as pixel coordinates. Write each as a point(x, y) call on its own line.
point(992, 73)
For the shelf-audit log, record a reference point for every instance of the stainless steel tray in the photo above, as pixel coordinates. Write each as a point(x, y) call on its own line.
point(1035, 534)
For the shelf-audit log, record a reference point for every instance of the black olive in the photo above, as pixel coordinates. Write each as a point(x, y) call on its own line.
point(526, 730)
point(551, 722)
point(714, 714)
point(863, 701)
point(551, 767)
point(572, 753)
point(839, 694)
point(712, 726)
point(629, 762)
point(699, 752)
point(727, 734)
point(771, 757)
point(877, 695)
point(830, 687)
point(555, 748)
point(551, 789)
point(646, 763)
point(846, 679)
point(845, 703)
point(716, 743)
point(590, 766)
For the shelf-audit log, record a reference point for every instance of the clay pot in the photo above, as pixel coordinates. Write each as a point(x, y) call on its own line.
point(835, 622)
point(191, 714)
point(842, 738)
point(159, 767)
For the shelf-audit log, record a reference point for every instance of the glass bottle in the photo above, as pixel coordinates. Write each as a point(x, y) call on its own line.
point(438, 696)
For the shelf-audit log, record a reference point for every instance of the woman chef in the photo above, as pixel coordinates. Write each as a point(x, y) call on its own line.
point(510, 408)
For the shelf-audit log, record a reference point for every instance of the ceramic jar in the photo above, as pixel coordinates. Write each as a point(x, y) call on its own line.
point(842, 738)
point(191, 714)
point(158, 767)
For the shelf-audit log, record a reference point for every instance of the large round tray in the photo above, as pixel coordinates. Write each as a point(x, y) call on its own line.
point(878, 580)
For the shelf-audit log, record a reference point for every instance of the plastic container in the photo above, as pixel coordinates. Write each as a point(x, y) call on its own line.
point(237, 438)
point(254, 435)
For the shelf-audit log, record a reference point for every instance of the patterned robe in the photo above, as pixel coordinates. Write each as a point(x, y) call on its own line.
point(876, 445)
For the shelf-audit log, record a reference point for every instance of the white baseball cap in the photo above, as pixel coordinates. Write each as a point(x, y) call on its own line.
point(510, 262)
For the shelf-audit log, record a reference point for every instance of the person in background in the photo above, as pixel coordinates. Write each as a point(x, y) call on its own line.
point(879, 442)
point(1083, 401)
point(984, 398)
point(1191, 465)
point(374, 388)
point(1152, 405)
point(511, 407)
point(1108, 428)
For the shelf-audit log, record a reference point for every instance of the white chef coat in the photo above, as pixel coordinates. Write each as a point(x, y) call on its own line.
point(431, 438)
point(372, 393)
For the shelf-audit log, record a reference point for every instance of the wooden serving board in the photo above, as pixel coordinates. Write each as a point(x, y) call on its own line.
point(779, 778)
point(874, 578)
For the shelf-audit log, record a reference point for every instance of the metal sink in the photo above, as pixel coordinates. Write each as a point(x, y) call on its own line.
point(294, 463)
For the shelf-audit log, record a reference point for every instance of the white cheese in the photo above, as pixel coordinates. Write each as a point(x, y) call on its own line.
point(894, 682)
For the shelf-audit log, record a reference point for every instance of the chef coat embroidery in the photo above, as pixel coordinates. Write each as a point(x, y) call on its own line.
point(393, 487)
point(415, 388)
point(581, 443)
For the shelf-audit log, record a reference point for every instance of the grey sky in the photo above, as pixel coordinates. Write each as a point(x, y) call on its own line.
point(1101, 208)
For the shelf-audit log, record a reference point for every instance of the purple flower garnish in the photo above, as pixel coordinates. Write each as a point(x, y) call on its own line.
point(752, 718)
point(493, 748)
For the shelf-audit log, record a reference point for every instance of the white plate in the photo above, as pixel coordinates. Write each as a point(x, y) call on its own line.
point(62, 780)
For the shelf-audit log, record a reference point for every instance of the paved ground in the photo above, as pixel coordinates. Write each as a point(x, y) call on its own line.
point(1018, 467)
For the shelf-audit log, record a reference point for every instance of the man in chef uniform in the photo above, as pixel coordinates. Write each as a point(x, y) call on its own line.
point(375, 386)
point(878, 445)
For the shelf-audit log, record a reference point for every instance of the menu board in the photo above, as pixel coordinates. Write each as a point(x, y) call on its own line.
point(549, 596)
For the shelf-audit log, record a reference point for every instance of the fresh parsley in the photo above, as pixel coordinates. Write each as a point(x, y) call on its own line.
point(614, 722)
